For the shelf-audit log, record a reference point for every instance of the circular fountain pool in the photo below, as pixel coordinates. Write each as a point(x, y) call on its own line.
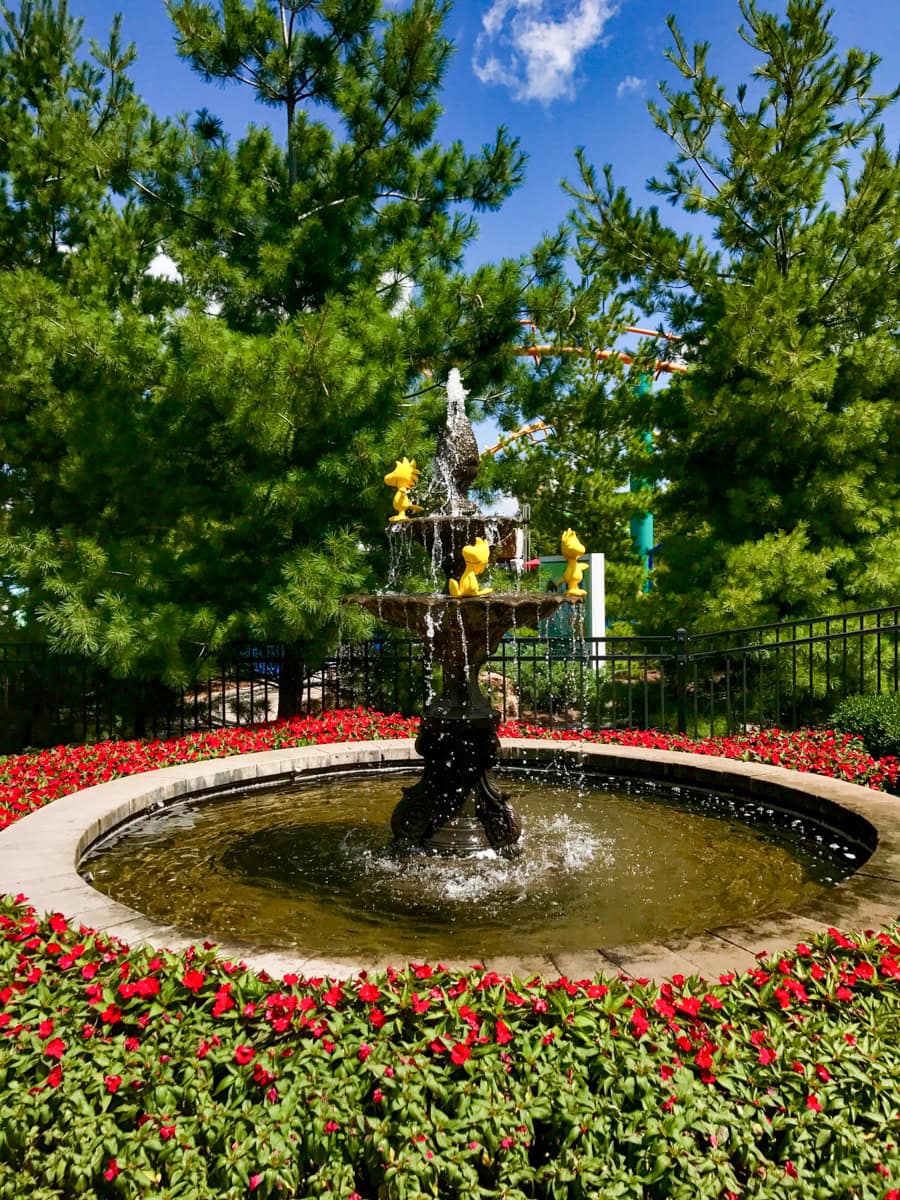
point(309, 866)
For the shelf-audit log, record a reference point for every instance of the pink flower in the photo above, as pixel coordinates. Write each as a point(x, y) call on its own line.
point(363, 1052)
point(254, 1182)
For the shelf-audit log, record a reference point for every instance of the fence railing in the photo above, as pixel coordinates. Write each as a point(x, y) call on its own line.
point(788, 674)
point(792, 673)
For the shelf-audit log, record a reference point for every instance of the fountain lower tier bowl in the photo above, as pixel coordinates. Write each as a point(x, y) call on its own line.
point(444, 536)
point(470, 626)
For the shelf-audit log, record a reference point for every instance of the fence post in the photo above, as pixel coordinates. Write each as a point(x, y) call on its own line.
point(681, 678)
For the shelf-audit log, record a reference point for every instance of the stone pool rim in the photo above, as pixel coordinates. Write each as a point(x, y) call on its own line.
point(40, 853)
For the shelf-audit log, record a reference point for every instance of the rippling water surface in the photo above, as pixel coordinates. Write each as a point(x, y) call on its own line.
point(310, 866)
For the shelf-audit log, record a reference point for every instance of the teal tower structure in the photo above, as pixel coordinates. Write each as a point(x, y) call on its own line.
point(642, 523)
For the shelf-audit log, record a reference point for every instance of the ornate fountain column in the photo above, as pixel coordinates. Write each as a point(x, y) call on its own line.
point(456, 807)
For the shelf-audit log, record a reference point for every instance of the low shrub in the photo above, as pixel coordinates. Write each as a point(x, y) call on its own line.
point(875, 720)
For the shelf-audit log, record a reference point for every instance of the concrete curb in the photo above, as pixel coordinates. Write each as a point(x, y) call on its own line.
point(39, 854)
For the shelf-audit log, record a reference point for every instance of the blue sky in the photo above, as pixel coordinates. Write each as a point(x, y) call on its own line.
point(557, 73)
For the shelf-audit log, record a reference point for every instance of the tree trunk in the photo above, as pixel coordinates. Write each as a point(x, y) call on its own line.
point(290, 681)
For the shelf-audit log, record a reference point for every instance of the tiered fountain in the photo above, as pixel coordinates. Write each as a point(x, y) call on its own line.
point(456, 807)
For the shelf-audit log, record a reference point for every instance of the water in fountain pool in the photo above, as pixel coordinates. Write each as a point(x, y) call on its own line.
point(311, 867)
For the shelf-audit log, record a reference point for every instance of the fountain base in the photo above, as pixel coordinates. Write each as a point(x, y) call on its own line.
point(456, 807)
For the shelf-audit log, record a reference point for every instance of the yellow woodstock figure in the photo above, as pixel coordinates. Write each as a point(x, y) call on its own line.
point(403, 477)
point(476, 557)
point(570, 548)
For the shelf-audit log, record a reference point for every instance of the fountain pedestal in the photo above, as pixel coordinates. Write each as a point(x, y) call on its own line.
point(456, 807)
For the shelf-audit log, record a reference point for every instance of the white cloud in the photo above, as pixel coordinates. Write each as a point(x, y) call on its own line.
point(534, 47)
point(631, 83)
point(161, 266)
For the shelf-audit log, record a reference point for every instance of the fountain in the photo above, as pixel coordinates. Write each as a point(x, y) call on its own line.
point(456, 806)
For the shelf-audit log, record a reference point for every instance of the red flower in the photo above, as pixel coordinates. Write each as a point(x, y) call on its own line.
point(193, 980)
point(243, 1054)
point(45, 1029)
point(363, 1052)
point(111, 1171)
point(55, 1049)
point(504, 1033)
point(639, 1022)
point(166, 1132)
point(369, 992)
point(460, 1053)
point(767, 1055)
point(690, 1005)
point(254, 1182)
point(812, 1103)
point(331, 1127)
point(113, 1083)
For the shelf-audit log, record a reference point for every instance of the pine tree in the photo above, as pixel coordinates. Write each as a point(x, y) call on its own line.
point(319, 306)
point(80, 328)
point(778, 450)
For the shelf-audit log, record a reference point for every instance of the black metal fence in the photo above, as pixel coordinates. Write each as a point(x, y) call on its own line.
point(789, 674)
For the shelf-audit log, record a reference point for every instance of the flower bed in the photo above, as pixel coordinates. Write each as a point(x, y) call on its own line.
point(157, 1075)
point(28, 781)
point(150, 1074)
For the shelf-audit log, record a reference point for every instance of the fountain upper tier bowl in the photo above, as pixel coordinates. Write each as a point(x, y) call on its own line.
point(477, 623)
point(443, 537)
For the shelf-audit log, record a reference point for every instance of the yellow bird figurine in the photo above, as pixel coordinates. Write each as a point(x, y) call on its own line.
point(570, 548)
point(476, 559)
point(403, 477)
